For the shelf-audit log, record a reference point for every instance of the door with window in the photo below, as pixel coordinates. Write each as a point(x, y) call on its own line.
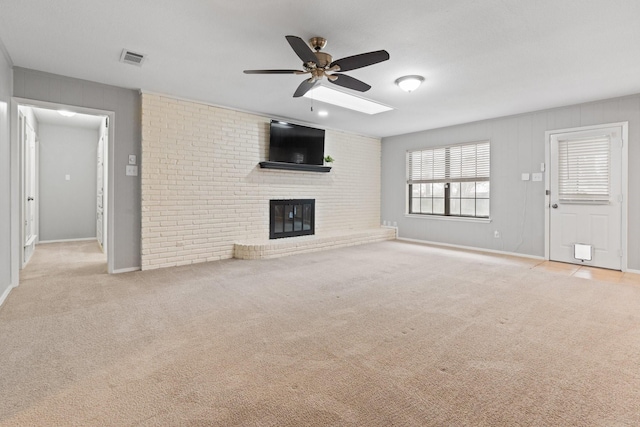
point(585, 218)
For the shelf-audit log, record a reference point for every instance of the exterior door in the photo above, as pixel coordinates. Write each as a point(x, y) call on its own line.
point(585, 219)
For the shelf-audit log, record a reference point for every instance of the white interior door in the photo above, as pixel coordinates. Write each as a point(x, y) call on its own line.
point(585, 219)
point(28, 190)
point(100, 193)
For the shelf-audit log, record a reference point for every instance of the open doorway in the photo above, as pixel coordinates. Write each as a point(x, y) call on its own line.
point(64, 177)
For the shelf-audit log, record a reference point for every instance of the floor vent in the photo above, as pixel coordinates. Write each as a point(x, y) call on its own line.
point(132, 58)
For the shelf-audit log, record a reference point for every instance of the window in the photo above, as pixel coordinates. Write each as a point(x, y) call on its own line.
point(583, 170)
point(450, 181)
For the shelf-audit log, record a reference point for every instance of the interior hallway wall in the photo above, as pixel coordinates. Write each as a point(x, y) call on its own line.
point(6, 84)
point(125, 103)
point(67, 206)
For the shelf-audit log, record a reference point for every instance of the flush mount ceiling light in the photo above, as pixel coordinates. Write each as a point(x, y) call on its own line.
point(323, 113)
point(409, 83)
point(342, 99)
point(66, 113)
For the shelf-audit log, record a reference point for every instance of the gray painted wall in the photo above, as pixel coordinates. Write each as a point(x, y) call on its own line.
point(67, 207)
point(125, 103)
point(517, 207)
point(6, 84)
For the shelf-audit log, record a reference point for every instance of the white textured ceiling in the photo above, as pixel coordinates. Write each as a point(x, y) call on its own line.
point(481, 59)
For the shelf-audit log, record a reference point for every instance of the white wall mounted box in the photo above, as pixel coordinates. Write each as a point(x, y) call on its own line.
point(132, 170)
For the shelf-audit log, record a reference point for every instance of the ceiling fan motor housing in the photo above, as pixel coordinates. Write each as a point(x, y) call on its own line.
point(324, 59)
point(318, 43)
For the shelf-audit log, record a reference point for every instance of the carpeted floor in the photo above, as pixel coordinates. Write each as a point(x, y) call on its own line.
point(385, 334)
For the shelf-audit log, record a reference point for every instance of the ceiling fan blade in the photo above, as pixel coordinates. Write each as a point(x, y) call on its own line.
point(305, 87)
point(359, 61)
point(273, 72)
point(349, 82)
point(302, 49)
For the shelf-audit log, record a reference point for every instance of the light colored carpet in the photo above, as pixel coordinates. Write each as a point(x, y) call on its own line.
point(385, 334)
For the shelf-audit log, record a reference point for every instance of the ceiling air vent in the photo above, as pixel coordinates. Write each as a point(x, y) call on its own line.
point(132, 58)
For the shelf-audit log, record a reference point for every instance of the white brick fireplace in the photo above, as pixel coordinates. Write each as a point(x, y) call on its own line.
point(203, 191)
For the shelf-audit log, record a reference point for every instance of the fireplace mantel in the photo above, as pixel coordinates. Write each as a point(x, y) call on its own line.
point(294, 167)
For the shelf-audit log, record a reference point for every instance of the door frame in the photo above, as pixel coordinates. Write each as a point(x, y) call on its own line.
point(625, 183)
point(16, 177)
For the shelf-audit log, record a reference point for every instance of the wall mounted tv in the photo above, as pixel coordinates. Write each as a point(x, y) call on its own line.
point(290, 143)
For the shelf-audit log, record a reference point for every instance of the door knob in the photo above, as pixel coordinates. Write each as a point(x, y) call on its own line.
point(554, 206)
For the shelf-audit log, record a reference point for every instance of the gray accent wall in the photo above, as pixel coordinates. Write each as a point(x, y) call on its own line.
point(517, 207)
point(67, 206)
point(125, 103)
point(6, 83)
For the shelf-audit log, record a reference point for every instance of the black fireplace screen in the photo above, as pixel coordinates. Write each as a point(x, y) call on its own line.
point(288, 218)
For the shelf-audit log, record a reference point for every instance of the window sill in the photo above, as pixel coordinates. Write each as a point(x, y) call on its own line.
point(449, 218)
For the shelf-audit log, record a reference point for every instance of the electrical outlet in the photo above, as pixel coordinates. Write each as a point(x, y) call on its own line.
point(496, 234)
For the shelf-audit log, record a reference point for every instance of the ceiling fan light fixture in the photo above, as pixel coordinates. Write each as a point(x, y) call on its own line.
point(409, 83)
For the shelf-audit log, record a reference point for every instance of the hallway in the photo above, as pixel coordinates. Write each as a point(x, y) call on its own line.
point(64, 259)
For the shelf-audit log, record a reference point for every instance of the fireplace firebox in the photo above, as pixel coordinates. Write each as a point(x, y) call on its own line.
point(293, 217)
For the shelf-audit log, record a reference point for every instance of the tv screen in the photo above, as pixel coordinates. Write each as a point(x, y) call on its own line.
point(291, 143)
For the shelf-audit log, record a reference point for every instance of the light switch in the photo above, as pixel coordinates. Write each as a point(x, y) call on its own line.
point(67, 177)
point(536, 177)
point(132, 159)
point(525, 177)
point(132, 170)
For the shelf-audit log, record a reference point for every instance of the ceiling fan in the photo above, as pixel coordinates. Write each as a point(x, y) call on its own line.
point(320, 64)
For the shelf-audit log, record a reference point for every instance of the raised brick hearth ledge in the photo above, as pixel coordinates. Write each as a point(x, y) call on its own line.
point(261, 249)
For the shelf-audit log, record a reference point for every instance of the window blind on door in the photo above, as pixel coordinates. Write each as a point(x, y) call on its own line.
point(584, 170)
point(455, 163)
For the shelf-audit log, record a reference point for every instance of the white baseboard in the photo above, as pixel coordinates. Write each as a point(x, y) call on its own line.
point(84, 239)
point(630, 270)
point(126, 270)
point(5, 294)
point(471, 248)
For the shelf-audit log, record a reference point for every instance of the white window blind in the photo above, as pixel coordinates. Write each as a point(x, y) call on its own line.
point(583, 170)
point(456, 163)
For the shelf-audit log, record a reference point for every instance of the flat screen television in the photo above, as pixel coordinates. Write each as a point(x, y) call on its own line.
point(290, 143)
